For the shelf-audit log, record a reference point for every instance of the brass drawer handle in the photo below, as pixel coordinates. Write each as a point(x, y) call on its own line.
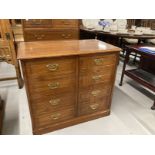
point(95, 92)
point(98, 61)
point(52, 67)
point(56, 116)
point(97, 77)
point(39, 36)
point(65, 22)
point(54, 102)
point(63, 35)
point(54, 85)
point(94, 106)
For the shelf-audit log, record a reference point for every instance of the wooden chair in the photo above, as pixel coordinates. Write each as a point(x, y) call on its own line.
point(7, 50)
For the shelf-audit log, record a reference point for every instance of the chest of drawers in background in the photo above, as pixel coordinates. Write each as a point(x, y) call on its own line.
point(67, 82)
point(50, 29)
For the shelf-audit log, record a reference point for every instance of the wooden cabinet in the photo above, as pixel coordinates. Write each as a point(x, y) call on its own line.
point(67, 82)
point(50, 29)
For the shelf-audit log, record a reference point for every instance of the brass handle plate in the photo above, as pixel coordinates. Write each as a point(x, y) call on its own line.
point(98, 61)
point(54, 102)
point(39, 36)
point(97, 77)
point(52, 67)
point(54, 85)
point(66, 36)
point(95, 92)
point(56, 116)
point(94, 106)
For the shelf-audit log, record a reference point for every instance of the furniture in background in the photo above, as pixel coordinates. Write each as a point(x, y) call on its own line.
point(17, 30)
point(112, 38)
point(50, 29)
point(67, 82)
point(1, 114)
point(7, 50)
point(145, 73)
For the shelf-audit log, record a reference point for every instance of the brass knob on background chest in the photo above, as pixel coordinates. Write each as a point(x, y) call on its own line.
point(99, 61)
point(94, 106)
point(52, 67)
point(54, 85)
point(56, 116)
point(54, 102)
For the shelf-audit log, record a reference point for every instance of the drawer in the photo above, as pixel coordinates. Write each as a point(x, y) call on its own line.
point(38, 35)
point(53, 103)
point(51, 68)
point(65, 23)
point(40, 87)
point(64, 34)
point(99, 63)
point(37, 23)
point(54, 86)
point(94, 93)
point(87, 79)
point(55, 117)
point(86, 108)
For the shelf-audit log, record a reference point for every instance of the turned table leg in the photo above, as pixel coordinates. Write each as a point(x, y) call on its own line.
point(124, 66)
point(153, 107)
point(1, 114)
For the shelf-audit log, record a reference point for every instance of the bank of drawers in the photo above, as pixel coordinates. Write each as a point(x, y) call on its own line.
point(50, 29)
point(96, 73)
point(53, 85)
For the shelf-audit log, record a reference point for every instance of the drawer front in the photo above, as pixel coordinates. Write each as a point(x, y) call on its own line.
point(51, 68)
point(53, 103)
point(39, 87)
point(86, 108)
point(99, 63)
point(38, 35)
point(94, 93)
point(37, 23)
point(65, 23)
point(87, 79)
point(55, 117)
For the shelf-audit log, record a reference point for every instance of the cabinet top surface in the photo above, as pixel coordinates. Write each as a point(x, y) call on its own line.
point(44, 49)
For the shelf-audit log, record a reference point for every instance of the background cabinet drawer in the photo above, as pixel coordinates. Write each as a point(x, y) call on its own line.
point(28, 23)
point(36, 35)
point(65, 23)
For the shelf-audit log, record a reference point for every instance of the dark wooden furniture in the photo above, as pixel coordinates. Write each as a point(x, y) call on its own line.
point(112, 38)
point(1, 114)
point(145, 73)
point(50, 29)
point(67, 82)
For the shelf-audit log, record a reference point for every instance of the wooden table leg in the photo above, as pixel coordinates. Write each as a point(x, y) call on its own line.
point(153, 107)
point(1, 114)
point(19, 77)
point(124, 66)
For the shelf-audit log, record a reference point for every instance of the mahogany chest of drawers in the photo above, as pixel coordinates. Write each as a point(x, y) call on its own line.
point(50, 29)
point(67, 82)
